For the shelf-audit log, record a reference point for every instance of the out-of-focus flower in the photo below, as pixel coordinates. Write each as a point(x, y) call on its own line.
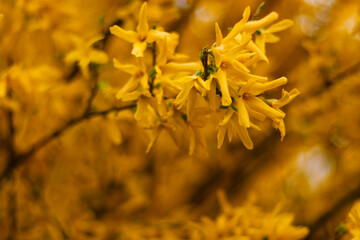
point(84, 54)
point(142, 36)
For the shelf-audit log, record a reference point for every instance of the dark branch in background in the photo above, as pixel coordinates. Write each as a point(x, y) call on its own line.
point(322, 221)
point(341, 75)
point(21, 158)
point(16, 159)
point(12, 212)
point(55, 221)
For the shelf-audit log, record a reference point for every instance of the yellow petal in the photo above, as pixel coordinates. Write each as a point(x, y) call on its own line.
point(97, 56)
point(252, 26)
point(238, 27)
point(153, 135)
point(239, 66)
point(182, 97)
point(181, 67)
point(144, 81)
point(131, 96)
point(142, 105)
point(257, 115)
point(280, 26)
point(94, 39)
point(258, 88)
point(219, 37)
point(252, 47)
point(202, 83)
point(192, 141)
point(281, 126)
point(244, 136)
point(129, 36)
point(260, 41)
point(246, 88)
point(212, 96)
point(154, 35)
point(286, 98)
point(229, 113)
point(130, 85)
point(128, 68)
point(191, 104)
point(84, 66)
point(218, 56)
point(221, 135)
point(72, 57)
point(271, 38)
point(138, 49)
point(230, 132)
point(261, 107)
point(143, 26)
point(257, 128)
point(221, 77)
point(243, 114)
point(162, 58)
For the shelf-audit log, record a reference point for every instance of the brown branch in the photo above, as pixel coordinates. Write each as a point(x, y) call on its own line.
point(322, 221)
point(153, 71)
point(12, 212)
point(347, 72)
point(21, 158)
point(55, 221)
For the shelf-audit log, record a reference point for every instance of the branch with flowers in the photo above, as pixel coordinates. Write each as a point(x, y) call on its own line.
point(174, 94)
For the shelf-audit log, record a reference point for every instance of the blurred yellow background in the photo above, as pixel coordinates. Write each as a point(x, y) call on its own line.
point(94, 179)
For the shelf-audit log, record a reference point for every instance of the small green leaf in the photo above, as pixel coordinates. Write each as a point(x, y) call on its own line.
point(102, 84)
point(261, 6)
point(229, 29)
point(184, 116)
point(233, 107)
point(341, 229)
point(157, 86)
point(224, 107)
point(101, 20)
point(152, 73)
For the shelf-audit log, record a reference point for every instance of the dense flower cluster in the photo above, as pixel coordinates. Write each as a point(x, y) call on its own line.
point(176, 95)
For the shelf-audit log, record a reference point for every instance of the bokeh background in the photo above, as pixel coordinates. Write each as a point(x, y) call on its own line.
point(95, 181)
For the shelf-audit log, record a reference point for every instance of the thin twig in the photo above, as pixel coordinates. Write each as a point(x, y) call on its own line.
point(21, 158)
point(12, 212)
point(346, 200)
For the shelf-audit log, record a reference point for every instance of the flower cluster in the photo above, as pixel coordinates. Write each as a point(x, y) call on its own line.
point(249, 222)
point(177, 95)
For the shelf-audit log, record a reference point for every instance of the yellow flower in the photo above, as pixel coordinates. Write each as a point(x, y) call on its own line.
point(223, 60)
point(139, 76)
point(84, 54)
point(167, 70)
point(230, 124)
point(142, 36)
point(248, 100)
point(249, 222)
point(285, 99)
point(264, 36)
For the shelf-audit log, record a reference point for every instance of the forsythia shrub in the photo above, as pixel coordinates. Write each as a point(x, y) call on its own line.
point(114, 115)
